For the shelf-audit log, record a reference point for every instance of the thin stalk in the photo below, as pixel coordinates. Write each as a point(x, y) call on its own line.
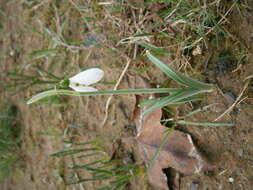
point(50, 75)
point(106, 92)
point(206, 124)
point(156, 154)
point(198, 110)
point(44, 82)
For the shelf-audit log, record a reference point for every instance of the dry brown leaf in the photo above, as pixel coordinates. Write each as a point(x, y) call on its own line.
point(178, 152)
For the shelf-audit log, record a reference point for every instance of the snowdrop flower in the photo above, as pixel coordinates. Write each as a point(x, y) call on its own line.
point(81, 81)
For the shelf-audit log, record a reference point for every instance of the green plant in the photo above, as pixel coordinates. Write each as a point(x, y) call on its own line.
point(177, 96)
point(9, 139)
point(181, 119)
point(190, 23)
point(101, 168)
point(18, 81)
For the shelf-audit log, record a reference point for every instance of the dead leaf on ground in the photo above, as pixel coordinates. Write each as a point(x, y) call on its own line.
point(178, 151)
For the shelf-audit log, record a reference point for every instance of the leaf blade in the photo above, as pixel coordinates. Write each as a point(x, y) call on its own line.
point(181, 79)
point(177, 97)
point(205, 124)
point(55, 92)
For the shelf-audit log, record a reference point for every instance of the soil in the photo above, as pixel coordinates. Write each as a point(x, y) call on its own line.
point(45, 126)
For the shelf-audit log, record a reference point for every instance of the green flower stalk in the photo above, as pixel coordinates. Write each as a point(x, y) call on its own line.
point(81, 82)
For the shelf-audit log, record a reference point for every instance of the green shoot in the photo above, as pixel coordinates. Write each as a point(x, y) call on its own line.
point(191, 93)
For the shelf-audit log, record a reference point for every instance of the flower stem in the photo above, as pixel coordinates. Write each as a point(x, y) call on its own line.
point(105, 92)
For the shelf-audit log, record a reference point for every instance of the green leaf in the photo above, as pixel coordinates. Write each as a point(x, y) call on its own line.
point(198, 110)
point(153, 101)
point(86, 165)
point(38, 54)
point(100, 177)
point(174, 98)
point(205, 124)
point(153, 48)
point(71, 152)
point(161, 145)
point(55, 92)
point(181, 79)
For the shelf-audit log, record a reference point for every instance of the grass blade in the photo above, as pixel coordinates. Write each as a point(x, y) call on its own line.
point(158, 150)
point(55, 92)
point(86, 165)
point(71, 152)
point(100, 177)
point(43, 53)
point(197, 97)
point(88, 155)
point(198, 110)
point(124, 168)
point(98, 170)
point(84, 143)
point(153, 48)
point(181, 79)
point(153, 101)
point(50, 75)
point(205, 124)
point(174, 98)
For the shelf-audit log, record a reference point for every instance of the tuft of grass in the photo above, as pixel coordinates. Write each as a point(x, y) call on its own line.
point(102, 168)
point(9, 139)
point(181, 119)
point(17, 81)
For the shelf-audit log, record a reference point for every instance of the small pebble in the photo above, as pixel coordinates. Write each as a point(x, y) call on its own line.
point(67, 145)
point(197, 51)
point(240, 152)
point(92, 40)
point(231, 180)
point(114, 123)
point(12, 53)
point(194, 186)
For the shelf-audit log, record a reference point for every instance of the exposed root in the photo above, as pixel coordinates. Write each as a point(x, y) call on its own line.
point(237, 101)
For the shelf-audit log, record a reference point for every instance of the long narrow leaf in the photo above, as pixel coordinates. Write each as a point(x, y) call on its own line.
point(181, 79)
point(98, 170)
point(100, 177)
point(153, 101)
point(50, 75)
point(84, 143)
point(174, 98)
point(197, 97)
point(86, 165)
point(71, 152)
point(153, 48)
point(88, 155)
point(37, 54)
point(127, 167)
point(205, 124)
point(161, 145)
point(198, 110)
point(106, 92)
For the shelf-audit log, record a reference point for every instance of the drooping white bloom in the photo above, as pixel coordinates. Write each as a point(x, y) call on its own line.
point(82, 80)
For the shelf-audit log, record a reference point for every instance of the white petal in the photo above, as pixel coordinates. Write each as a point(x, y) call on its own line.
point(83, 88)
point(88, 77)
